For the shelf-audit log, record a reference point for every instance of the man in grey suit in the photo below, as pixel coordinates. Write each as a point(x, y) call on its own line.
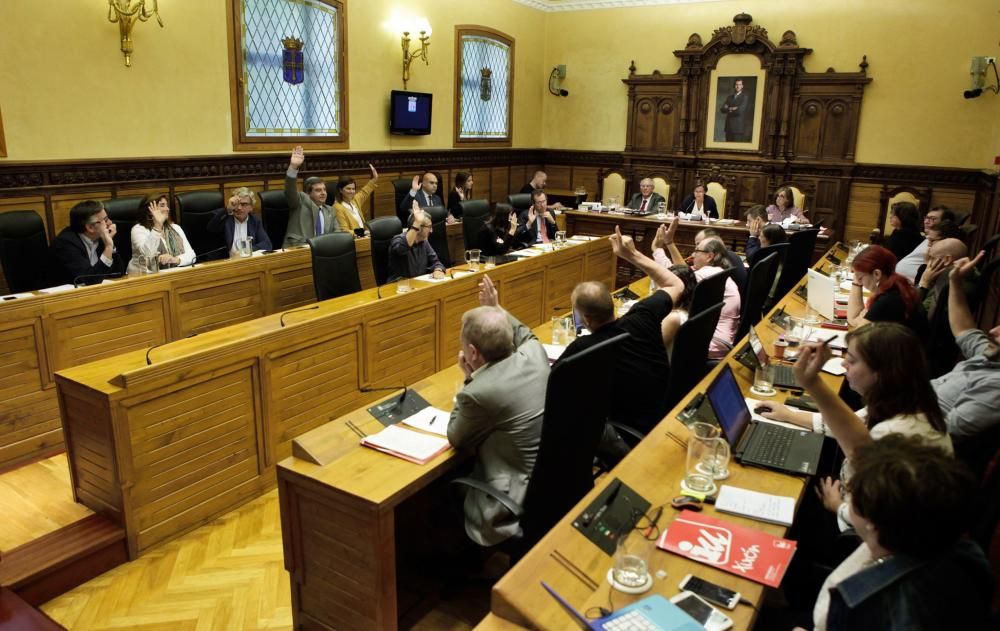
point(646, 200)
point(499, 411)
point(308, 213)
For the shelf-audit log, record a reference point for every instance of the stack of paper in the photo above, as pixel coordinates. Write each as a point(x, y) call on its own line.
point(775, 509)
point(430, 419)
point(554, 351)
point(406, 444)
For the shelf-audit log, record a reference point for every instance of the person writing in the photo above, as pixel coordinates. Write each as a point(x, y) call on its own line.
point(348, 202)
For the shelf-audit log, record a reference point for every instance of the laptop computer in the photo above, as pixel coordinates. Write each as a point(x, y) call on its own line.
point(820, 293)
point(652, 613)
point(756, 443)
point(756, 355)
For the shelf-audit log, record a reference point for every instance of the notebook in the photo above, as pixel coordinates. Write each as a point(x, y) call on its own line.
point(406, 444)
point(774, 509)
point(652, 613)
point(757, 443)
point(430, 419)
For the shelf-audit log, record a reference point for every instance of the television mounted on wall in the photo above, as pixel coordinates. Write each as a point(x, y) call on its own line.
point(410, 113)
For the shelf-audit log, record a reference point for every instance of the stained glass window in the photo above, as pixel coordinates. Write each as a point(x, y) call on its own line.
point(291, 70)
point(484, 85)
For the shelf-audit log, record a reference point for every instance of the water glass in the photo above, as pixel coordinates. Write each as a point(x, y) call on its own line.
point(245, 246)
point(631, 566)
point(661, 207)
point(559, 335)
point(491, 262)
point(472, 258)
point(705, 454)
point(612, 203)
point(763, 381)
point(560, 238)
point(403, 285)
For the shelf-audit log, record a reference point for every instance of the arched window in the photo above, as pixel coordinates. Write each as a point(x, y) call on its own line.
point(484, 85)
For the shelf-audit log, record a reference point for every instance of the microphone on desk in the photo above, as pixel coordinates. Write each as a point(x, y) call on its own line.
point(149, 362)
point(399, 401)
point(198, 257)
point(76, 281)
point(281, 320)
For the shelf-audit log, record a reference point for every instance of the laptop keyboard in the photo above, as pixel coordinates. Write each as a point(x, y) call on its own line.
point(784, 375)
point(772, 447)
point(634, 620)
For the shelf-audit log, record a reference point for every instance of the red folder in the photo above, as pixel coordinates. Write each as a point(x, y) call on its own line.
point(736, 549)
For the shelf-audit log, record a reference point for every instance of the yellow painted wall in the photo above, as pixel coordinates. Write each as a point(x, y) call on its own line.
point(66, 93)
point(918, 51)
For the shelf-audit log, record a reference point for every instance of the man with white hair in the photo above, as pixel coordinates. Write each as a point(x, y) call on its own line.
point(237, 222)
point(646, 200)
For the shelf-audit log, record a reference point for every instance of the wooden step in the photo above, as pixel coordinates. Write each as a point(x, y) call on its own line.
point(17, 615)
point(59, 561)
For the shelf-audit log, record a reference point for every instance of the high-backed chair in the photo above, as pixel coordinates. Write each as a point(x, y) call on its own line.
point(781, 249)
point(383, 229)
point(439, 233)
point(519, 201)
point(613, 186)
point(23, 250)
point(660, 186)
point(195, 209)
point(990, 247)
point(900, 196)
point(401, 188)
point(124, 211)
point(969, 230)
point(758, 289)
point(798, 197)
point(708, 292)
point(797, 259)
point(689, 358)
point(274, 213)
point(717, 191)
point(475, 212)
point(577, 402)
point(334, 265)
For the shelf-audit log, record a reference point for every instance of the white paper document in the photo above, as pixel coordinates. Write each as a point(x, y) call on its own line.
point(57, 289)
point(406, 444)
point(430, 419)
point(430, 278)
point(528, 252)
point(775, 509)
point(554, 351)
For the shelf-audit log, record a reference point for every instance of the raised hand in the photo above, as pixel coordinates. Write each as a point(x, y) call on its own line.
point(415, 185)
point(961, 268)
point(298, 157)
point(810, 363)
point(532, 216)
point(671, 231)
point(622, 246)
point(488, 296)
point(374, 172)
point(830, 493)
point(231, 205)
point(660, 238)
point(419, 215)
point(549, 217)
point(512, 223)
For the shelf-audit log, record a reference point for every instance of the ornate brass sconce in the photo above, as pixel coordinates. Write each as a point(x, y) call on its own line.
point(125, 13)
point(410, 55)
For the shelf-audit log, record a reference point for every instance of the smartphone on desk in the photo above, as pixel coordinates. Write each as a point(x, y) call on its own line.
point(710, 591)
point(705, 614)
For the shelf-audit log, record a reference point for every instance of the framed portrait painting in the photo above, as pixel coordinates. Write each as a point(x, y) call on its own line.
point(736, 99)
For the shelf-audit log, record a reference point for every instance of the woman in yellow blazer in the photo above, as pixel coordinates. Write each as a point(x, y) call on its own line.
point(348, 202)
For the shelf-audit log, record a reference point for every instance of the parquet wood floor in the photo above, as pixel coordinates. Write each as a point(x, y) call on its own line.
point(37, 499)
point(228, 574)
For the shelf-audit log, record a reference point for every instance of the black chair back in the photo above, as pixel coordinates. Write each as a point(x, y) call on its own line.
point(708, 292)
point(274, 214)
point(124, 211)
point(969, 230)
point(689, 358)
point(519, 201)
point(577, 402)
point(401, 187)
point(797, 258)
point(383, 229)
point(990, 247)
point(475, 212)
point(439, 233)
point(195, 209)
point(758, 288)
point(23, 250)
point(334, 265)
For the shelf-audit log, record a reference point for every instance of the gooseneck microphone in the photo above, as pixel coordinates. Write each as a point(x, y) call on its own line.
point(281, 320)
point(198, 257)
point(149, 362)
point(76, 281)
point(402, 397)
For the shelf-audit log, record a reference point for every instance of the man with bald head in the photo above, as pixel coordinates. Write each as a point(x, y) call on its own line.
point(423, 194)
point(640, 379)
point(940, 255)
point(646, 200)
point(499, 411)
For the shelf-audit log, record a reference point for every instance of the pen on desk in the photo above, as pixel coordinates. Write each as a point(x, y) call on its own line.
point(434, 418)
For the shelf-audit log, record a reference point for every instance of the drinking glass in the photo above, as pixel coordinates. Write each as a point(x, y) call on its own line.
point(798, 331)
point(472, 258)
point(491, 262)
point(245, 246)
point(661, 207)
point(763, 381)
point(560, 238)
point(631, 567)
point(559, 336)
point(403, 285)
point(612, 203)
point(707, 457)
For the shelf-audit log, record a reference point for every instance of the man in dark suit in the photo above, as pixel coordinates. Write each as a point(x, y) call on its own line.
point(735, 109)
point(236, 221)
point(499, 412)
point(646, 200)
point(86, 247)
point(423, 194)
point(308, 213)
point(537, 225)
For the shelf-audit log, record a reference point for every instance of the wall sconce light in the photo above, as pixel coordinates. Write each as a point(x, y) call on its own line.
point(558, 74)
point(410, 55)
point(125, 13)
point(978, 71)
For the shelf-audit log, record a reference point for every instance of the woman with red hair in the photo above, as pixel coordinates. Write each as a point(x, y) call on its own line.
point(893, 298)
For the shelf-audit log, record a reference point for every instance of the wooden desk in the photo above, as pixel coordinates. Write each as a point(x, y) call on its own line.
point(47, 333)
point(163, 448)
point(577, 569)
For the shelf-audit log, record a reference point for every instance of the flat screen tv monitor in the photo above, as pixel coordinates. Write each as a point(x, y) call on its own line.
point(410, 113)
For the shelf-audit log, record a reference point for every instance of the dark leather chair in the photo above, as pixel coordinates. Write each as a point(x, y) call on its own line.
point(797, 259)
point(969, 230)
point(383, 229)
point(577, 403)
point(475, 212)
point(195, 209)
point(401, 188)
point(689, 359)
point(24, 250)
point(334, 265)
point(758, 288)
point(990, 247)
point(439, 233)
point(708, 292)
point(274, 215)
point(124, 211)
point(519, 201)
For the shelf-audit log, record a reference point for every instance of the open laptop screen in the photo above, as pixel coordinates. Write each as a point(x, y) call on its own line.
point(729, 405)
point(758, 347)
